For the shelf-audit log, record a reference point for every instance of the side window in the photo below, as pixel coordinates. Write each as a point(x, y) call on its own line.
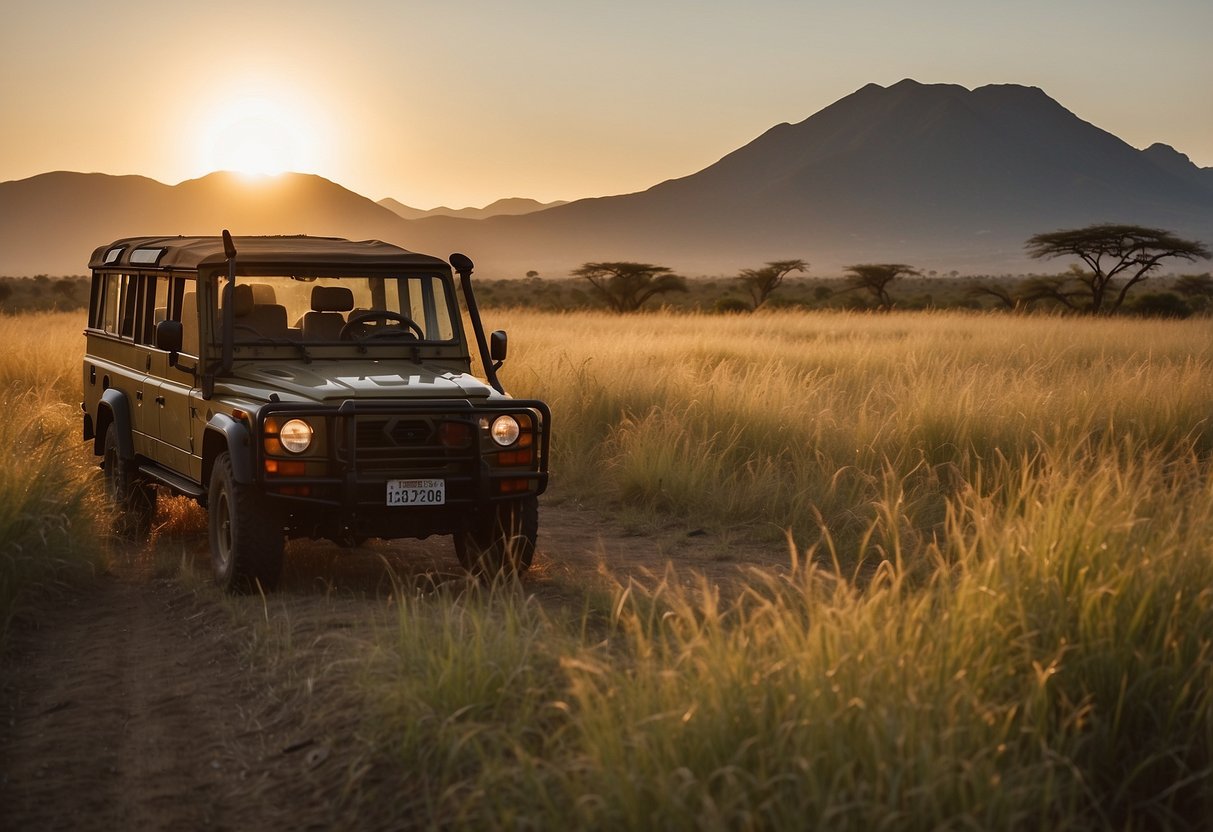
point(160, 304)
point(184, 307)
point(130, 308)
point(153, 307)
point(109, 313)
point(116, 305)
point(96, 303)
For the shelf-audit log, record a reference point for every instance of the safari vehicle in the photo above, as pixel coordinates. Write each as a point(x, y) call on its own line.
point(307, 387)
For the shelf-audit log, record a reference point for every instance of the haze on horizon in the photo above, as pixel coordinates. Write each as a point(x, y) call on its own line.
point(468, 102)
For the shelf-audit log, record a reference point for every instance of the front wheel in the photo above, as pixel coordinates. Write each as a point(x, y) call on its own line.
point(246, 542)
point(503, 542)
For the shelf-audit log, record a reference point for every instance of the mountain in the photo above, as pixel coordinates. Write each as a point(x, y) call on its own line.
point(934, 175)
point(503, 207)
point(937, 176)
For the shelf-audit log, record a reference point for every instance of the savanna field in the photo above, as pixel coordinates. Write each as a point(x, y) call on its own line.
point(996, 609)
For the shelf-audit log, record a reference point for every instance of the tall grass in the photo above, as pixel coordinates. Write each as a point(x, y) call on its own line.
point(48, 515)
point(1004, 619)
point(998, 609)
point(1051, 668)
point(801, 420)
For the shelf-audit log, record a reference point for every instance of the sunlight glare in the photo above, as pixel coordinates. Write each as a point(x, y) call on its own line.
point(257, 136)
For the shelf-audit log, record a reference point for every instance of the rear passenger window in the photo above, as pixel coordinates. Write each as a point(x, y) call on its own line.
point(153, 305)
point(129, 305)
point(113, 292)
point(129, 309)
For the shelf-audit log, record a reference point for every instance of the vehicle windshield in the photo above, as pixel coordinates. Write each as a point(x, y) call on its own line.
point(366, 309)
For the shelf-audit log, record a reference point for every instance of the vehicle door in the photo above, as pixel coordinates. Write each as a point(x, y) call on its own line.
point(172, 386)
point(117, 360)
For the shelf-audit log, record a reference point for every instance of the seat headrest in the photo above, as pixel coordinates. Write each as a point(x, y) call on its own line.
point(263, 293)
point(242, 299)
point(332, 299)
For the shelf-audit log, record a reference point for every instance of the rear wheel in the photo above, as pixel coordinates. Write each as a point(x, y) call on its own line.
point(133, 498)
point(246, 539)
point(503, 542)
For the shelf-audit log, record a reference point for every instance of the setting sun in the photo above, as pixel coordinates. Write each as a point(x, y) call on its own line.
point(257, 136)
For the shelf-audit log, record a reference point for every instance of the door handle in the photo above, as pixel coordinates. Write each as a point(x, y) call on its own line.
point(139, 395)
point(160, 400)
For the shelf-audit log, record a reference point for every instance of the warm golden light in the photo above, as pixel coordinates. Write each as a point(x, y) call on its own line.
point(257, 136)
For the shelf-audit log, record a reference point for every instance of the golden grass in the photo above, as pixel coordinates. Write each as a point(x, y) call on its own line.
point(48, 507)
point(801, 420)
point(1047, 662)
point(997, 614)
point(1002, 619)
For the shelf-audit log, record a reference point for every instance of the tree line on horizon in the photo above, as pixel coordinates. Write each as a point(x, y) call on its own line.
point(1117, 259)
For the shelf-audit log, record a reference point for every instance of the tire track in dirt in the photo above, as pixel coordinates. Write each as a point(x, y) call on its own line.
point(111, 705)
point(131, 705)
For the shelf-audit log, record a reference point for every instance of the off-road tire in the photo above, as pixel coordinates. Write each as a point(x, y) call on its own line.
point(502, 542)
point(132, 497)
point(246, 538)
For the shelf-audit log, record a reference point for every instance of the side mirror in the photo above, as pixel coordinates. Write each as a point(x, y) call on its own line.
point(168, 336)
point(498, 344)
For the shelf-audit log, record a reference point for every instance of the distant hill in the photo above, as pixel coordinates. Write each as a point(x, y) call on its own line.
point(50, 224)
point(512, 206)
point(938, 176)
point(1178, 164)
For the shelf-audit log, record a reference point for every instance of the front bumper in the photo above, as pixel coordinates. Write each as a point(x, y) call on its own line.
point(361, 445)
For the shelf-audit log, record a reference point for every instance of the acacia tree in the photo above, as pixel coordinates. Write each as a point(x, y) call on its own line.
point(760, 283)
point(1112, 253)
point(626, 286)
point(876, 277)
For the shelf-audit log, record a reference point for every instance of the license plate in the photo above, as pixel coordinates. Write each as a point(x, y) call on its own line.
point(416, 492)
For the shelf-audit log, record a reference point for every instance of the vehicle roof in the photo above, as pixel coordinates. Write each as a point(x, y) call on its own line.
point(200, 252)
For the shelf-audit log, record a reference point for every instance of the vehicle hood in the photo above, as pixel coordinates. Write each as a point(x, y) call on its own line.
point(329, 380)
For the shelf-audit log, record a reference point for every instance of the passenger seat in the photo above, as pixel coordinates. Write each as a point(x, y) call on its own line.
point(267, 319)
point(325, 321)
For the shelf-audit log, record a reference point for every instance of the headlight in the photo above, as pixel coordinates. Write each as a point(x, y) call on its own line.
point(505, 430)
point(295, 436)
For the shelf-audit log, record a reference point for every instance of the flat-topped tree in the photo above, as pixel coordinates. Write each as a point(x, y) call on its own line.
point(760, 283)
point(626, 286)
point(876, 277)
point(1114, 253)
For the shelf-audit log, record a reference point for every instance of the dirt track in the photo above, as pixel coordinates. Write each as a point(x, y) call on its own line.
point(119, 699)
point(141, 702)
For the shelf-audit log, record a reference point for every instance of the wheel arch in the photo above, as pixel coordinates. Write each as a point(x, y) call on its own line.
point(223, 433)
point(114, 410)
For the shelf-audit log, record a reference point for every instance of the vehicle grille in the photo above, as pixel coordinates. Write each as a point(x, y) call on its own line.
point(407, 446)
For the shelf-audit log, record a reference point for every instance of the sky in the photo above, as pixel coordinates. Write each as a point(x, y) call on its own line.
point(462, 102)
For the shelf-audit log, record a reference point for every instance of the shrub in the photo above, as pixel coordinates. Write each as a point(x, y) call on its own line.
point(730, 306)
